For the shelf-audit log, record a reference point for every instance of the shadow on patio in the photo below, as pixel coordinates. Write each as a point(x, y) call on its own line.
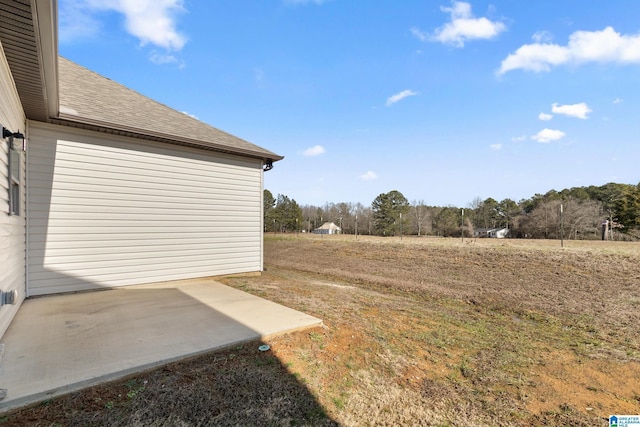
point(58, 344)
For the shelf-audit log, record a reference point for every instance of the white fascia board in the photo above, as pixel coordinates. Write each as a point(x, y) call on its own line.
point(45, 17)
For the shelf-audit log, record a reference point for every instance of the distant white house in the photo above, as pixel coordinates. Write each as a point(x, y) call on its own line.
point(328, 228)
point(496, 233)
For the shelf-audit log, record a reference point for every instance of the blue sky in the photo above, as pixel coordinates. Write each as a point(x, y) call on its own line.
point(443, 101)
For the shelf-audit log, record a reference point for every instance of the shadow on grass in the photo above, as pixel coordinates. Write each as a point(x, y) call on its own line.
point(237, 386)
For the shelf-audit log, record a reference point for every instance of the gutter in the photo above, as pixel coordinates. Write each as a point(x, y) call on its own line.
point(122, 130)
point(45, 17)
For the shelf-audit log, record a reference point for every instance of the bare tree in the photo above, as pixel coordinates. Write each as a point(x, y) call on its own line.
point(421, 215)
point(308, 217)
point(363, 218)
point(581, 219)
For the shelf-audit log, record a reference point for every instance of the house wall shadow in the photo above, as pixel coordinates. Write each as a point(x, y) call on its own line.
point(58, 344)
point(196, 364)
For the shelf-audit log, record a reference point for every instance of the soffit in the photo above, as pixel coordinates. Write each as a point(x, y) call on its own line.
point(20, 38)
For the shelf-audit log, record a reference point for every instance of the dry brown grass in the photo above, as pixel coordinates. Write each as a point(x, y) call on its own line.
point(426, 331)
point(441, 332)
point(239, 386)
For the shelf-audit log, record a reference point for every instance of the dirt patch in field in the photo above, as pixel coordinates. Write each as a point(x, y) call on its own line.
point(603, 386)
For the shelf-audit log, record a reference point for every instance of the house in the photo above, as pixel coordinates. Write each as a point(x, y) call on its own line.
point(497, 233)
point(328, 228)
point(103, 187)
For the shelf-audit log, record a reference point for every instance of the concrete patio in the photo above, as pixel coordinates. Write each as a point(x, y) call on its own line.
point(62, 343)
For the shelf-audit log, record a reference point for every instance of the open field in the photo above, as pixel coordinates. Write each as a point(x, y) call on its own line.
point(418, 331)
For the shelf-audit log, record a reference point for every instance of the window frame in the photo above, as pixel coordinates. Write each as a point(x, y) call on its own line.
point(15, 178)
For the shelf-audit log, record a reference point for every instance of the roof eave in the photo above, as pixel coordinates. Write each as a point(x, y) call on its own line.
point(96, 125)
point(29, 39)
point(46, 30)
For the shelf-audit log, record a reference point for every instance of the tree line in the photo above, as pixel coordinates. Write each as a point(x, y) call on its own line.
point(610, 211)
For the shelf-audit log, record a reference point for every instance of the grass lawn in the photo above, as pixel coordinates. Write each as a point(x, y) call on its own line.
point(418, 331)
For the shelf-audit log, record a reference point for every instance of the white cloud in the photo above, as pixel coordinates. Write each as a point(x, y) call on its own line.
point(400, 96)
point(316, 150)
point(420, 35)
point(548, 135)
point(545, 117)
point(161, 58)
point(76, 23)
point(542, 37)
point(535, 57)
point(495, 147)
point(190, 115)
point(606, 46)
point(519, 138)
point(368, 176)
point(618, 101)
point(462, 27)
point(150, 21)
point(579, 111)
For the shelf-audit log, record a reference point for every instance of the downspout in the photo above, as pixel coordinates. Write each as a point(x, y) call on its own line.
point(266, 167)
point(262, 220)
point(26, 211)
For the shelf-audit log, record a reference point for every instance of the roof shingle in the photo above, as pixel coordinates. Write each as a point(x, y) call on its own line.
point(89, 99)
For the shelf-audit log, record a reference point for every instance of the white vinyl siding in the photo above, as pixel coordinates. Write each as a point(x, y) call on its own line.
point(108, 211)
point(12, 227)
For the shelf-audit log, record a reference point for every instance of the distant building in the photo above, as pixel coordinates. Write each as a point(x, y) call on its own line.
point(496, 233)
point(328, 228)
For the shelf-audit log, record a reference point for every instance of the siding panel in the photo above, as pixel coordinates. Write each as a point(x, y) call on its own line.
point(109, 211)
point(12, 227)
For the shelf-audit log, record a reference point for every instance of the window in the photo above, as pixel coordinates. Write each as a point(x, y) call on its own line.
point(15, 188)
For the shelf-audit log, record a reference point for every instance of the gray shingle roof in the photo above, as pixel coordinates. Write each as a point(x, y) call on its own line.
point(90, 100)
